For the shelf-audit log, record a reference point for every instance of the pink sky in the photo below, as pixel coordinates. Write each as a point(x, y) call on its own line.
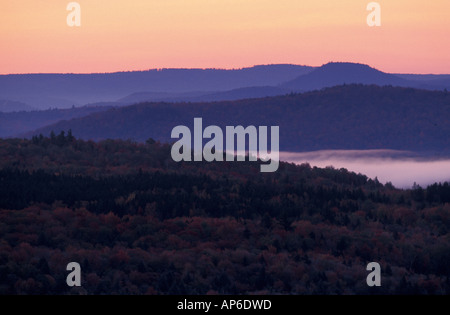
point(117, 35)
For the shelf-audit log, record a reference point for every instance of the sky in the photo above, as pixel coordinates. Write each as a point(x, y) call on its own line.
point(117, 35)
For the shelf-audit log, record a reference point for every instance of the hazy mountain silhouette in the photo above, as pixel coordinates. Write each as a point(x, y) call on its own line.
point(64, 90)
point(338, 73)
point(139, 97)
point(342, 117)
point(328, 75)
point(236, 94)
point(21, 122)
point(429, 81)
point(44, 91)
point(425, 77)
point(242, 93)
point(7, 106)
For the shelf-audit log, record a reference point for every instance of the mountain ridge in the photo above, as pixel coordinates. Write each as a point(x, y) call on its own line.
point(15, 123)
point(43, 91)
point(8, 106)
point(342, 117)
point(64, 90)
point(338, 73)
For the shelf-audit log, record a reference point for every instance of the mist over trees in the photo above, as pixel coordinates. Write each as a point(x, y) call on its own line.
point(139, 223)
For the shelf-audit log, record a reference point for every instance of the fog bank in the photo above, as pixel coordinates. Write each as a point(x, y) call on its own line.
point(401, 168)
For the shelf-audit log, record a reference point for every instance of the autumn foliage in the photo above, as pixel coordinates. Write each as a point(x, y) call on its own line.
point(139, 223)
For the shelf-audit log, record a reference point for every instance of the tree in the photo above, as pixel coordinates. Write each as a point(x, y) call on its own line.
point(61, 139)
point(70, 137)
point(150, 141)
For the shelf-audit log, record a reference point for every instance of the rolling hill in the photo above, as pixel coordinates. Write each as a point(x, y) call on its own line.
point(64, 90)
point(338, 73)
point(44, 91)
point(342, 117)
point(20, 122)
point(7, 106)
point(231, 95)
point(140, 223)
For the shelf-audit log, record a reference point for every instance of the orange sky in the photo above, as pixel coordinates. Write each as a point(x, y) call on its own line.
point(118, 35)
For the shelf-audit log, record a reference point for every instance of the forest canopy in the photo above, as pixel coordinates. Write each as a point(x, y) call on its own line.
point(139, 223)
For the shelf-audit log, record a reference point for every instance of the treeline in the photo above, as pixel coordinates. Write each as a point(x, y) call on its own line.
point(172, 195)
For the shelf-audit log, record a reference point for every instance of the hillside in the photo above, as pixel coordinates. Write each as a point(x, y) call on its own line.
point(231, 95)
point(338, 73)
point(7, 106)
point(139, 223)
point(64, 90)
point(15, 123)
point(43, 91)
point(343, 117)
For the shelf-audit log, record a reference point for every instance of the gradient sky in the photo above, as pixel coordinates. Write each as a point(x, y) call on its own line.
point(117, 35)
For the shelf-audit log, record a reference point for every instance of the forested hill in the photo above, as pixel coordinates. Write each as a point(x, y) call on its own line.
point(64, 90)
point(64, 154)
point(342, 117)
point(139, 223)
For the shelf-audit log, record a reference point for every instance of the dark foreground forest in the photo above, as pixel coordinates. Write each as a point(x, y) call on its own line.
point(139, 223)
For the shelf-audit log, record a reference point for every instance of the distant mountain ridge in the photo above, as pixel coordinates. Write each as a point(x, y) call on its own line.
point(350, 117)
point(231, 95)
point(7, 106)
point(64, 90)
point(43, 91)
point(16, 123)
point(338, 73)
